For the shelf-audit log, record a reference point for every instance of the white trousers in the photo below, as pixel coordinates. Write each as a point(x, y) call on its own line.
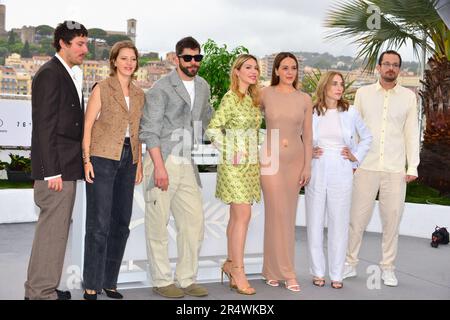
point(328, 196)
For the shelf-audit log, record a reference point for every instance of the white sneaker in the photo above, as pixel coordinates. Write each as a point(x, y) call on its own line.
point(349, 271)
point(389, 278)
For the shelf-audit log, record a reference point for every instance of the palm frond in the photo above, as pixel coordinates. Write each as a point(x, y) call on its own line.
point(398, 22)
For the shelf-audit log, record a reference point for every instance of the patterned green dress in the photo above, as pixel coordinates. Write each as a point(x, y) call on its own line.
point(234, 129)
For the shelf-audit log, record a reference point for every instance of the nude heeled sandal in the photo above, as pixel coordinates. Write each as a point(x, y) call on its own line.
point(227, 273)
point(248, 291)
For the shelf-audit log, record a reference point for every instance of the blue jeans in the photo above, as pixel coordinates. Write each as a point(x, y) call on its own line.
point(108, 215)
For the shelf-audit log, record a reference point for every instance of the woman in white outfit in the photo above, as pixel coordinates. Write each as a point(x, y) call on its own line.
point(336, 127)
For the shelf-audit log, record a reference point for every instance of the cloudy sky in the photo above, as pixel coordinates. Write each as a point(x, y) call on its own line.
point(263, 26)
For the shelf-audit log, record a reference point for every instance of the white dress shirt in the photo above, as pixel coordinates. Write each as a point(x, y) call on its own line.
point(392, 118)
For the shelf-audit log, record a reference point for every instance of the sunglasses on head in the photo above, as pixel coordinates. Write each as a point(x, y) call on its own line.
point(188, 57)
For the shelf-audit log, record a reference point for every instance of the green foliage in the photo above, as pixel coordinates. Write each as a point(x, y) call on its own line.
point(16, 47)
point(3, 50)
point(17, 163)
point(91, 54)
point(216, 67)
point(12, 38)
point(26, 52)
point(400, 22)
point(45, 30)
point(5, 184)
point(310, 82)
point(105, 54)
point(12, 45)
point(419, 193)
point(97, 33)
point(143, 61)
point(111, 40)
point(46, 47)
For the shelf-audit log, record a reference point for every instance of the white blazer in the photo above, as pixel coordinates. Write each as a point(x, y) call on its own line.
point(352, 127)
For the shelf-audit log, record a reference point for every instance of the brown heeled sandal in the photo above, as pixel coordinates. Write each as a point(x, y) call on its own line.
point(248, 291)
point(227, 273)
point(318, 282)
point(337, 284)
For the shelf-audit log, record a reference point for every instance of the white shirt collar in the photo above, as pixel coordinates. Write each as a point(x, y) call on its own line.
point(69, 69)
point(76, 73)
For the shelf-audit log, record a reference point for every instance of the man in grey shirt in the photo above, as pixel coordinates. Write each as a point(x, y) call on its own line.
point(175, 105)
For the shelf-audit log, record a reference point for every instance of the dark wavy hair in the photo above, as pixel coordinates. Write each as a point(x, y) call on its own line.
point(67, 31)
point(189, 43)
point(276, 64)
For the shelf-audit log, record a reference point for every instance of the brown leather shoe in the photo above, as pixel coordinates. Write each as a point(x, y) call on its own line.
point(195, 290)
point(170, 291)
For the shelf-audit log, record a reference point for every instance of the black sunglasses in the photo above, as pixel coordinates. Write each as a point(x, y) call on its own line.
point(188, 57)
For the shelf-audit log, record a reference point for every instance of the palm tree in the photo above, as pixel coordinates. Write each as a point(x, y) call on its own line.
point(379, 24)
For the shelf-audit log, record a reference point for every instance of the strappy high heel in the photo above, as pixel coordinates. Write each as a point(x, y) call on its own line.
point(318, 281)
point(292, 287)
point(337, 284)
point(227, 273)
point(248, 291)
point(273, 283)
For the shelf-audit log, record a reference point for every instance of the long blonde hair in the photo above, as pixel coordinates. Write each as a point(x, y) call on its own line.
point(253, 89)
point(321, 92)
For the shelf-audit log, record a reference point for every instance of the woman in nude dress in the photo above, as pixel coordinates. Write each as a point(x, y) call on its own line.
point(285, 167)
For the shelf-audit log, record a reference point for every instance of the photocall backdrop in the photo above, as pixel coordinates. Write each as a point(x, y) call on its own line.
point(15, 123)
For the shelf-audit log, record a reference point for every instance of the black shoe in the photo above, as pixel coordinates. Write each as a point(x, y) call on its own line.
point(90, 296)
point(63, 295)
point(113, 294)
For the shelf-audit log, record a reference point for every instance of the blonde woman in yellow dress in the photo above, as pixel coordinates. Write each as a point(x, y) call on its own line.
point(234, 131)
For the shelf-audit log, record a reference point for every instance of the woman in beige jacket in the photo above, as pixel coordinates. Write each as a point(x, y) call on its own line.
point(112, 163)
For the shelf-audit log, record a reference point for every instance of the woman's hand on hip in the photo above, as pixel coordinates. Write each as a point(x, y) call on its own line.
point(348, 155)
point(317, 152)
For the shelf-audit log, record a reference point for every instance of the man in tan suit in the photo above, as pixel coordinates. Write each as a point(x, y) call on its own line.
point(390, 112)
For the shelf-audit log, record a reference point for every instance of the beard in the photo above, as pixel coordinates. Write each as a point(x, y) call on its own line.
point(389, 77)
point(186, 71)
